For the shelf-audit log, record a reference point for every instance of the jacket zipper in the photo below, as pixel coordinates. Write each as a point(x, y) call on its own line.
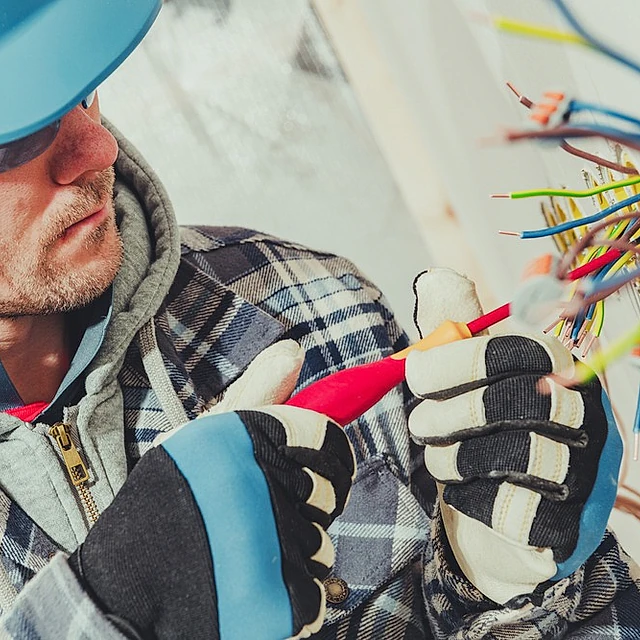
point(76, 469)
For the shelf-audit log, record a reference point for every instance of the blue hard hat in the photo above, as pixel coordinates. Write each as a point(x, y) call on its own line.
point(53, 53)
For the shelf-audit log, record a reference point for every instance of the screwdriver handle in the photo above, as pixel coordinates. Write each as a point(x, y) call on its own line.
point(345, 395)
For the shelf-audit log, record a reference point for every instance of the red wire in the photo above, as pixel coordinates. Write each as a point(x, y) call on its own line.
point(489, 319)
point(493, 317)
point(594, 265)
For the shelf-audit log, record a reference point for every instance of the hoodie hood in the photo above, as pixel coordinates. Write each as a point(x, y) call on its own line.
point(151, 242)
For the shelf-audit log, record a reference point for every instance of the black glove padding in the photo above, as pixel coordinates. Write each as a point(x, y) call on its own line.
point(220, 531)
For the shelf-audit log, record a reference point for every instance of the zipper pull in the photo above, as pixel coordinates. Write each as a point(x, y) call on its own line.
point(70, 454)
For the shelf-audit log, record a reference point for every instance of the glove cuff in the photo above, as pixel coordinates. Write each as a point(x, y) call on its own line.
point(496, 566)
point(148, 554)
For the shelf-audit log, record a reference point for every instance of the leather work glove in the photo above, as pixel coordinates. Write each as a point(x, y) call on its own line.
point(219, 532)
point(269, 379)
point(526, 470)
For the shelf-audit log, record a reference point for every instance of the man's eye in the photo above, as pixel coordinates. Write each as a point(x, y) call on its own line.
point(88, 101)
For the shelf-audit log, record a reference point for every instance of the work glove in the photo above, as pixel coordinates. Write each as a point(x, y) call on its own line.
point(526, 468)
point(220, 532)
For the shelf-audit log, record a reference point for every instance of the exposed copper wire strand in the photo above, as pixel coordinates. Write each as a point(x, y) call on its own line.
point(523, 99)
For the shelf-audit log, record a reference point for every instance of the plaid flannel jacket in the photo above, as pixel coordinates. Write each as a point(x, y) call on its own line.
point(238, 291)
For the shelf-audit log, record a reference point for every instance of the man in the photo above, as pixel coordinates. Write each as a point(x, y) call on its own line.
point(125, 516)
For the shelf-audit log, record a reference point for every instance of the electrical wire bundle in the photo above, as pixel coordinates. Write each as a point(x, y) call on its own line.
point(585, 312)
point(582, 319)
point(582, 316)
point(605, 244)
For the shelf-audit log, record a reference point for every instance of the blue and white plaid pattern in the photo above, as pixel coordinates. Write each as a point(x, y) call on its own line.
point(238, 291)
point(24, 549)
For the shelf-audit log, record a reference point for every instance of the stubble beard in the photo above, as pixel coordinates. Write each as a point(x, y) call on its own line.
point(45, 284)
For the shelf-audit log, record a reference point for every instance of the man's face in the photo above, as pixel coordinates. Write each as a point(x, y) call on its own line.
point(59, 244)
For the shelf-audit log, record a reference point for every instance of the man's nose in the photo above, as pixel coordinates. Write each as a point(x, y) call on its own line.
point(83, 147)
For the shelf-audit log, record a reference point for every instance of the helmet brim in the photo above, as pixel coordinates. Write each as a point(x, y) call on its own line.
point(59, 52)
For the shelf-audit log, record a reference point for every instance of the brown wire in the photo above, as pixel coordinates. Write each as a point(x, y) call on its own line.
point(527, 102)
point(621, 245)
point(630, 489)
point(569, 132)
point(574, 151)
point(572, 309)
point(585, 155)
point(627, 505)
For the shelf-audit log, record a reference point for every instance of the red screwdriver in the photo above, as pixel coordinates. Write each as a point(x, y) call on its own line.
point(345, 395)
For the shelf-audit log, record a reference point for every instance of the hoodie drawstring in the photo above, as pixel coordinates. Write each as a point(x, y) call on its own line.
point(158, 375)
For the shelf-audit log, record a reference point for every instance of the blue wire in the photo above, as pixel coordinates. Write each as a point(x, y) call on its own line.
point(601, 285)
point(577, 105)
point(591, 309)
point(598, 276)
point(572, 224)
point(601, 275)
point(592, 40)
point(586, 316)
point(606, 131)
point(579, 321)
point(636, 421)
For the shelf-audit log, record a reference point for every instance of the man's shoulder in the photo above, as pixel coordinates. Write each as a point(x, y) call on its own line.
point(240, 255)
point(203, 238)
